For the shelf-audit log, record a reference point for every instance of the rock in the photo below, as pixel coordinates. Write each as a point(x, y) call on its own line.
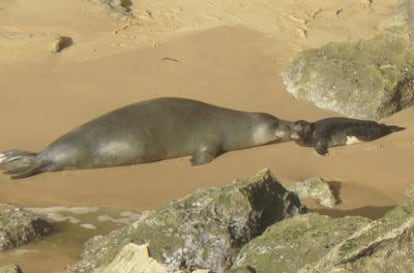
point(136, 259)
point(17, 39)
point(384, 245)
point(292, 243)
point(410, 191)
point(319, 189)
point(366, 79)
point(19, 226)
point(203, 230)
point(60, 43)
point(118, 8)
point(401, 20)
point(11, 268)
point(246, 269)
point(133, 259)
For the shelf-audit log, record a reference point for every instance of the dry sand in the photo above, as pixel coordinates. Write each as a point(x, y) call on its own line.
point(230, 53)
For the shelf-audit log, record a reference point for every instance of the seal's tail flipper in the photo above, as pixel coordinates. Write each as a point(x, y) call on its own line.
point(394, 128)
point(20, 164)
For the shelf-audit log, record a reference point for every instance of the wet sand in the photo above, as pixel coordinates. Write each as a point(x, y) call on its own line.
point(226, 55)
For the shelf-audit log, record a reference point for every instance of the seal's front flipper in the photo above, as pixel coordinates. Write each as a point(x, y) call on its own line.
point(204, 155)
point(20, 164)
point(321, 148)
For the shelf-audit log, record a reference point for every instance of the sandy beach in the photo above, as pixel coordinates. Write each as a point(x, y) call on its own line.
point(229, 54)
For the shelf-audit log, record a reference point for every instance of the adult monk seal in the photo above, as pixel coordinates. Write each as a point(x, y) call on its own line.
point(149, 131)
point(331, 132)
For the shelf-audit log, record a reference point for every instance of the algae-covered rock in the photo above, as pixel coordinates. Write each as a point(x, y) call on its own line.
point(367, 79)
point(285, 247)
point(19, 226)
point(385, 245)
point(203, 230)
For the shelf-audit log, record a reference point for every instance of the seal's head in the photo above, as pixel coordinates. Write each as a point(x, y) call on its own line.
point(269, 129)
point(301, 129)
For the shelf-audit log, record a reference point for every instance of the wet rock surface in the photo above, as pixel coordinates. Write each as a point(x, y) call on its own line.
point(203, 230)
point(19, 226)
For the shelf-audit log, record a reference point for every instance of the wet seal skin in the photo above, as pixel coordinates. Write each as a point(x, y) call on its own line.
point(149, 131)
point(331, 132)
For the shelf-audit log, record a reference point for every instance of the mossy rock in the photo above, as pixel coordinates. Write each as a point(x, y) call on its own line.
point(366, 79)
point(203, 230)
point(19, 226)
point(287, 246)
point(385, 245)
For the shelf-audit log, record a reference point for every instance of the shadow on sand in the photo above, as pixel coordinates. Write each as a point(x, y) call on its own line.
point(368, 212)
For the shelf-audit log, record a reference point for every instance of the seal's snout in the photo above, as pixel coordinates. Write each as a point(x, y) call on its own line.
point(294, 136)
point(281, 134)
point(300, 129)
point(283, 130)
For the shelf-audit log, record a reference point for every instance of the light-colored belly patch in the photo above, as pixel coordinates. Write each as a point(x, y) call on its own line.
point(2, 157)
point(115, 148)
point(352, 140)
point(259, 135)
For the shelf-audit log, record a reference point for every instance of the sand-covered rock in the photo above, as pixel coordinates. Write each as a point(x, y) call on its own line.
point(366, 79)
point(292, 243)
point(203, 230)
point(19, 226)
point(384, 245)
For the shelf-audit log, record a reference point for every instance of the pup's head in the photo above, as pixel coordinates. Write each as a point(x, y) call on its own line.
point(301, 129)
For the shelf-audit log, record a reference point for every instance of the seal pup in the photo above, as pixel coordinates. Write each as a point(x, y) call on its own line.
point(331, 132)
point(149, 131)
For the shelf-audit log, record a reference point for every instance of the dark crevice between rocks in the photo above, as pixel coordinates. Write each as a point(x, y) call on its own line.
point(261, 197)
